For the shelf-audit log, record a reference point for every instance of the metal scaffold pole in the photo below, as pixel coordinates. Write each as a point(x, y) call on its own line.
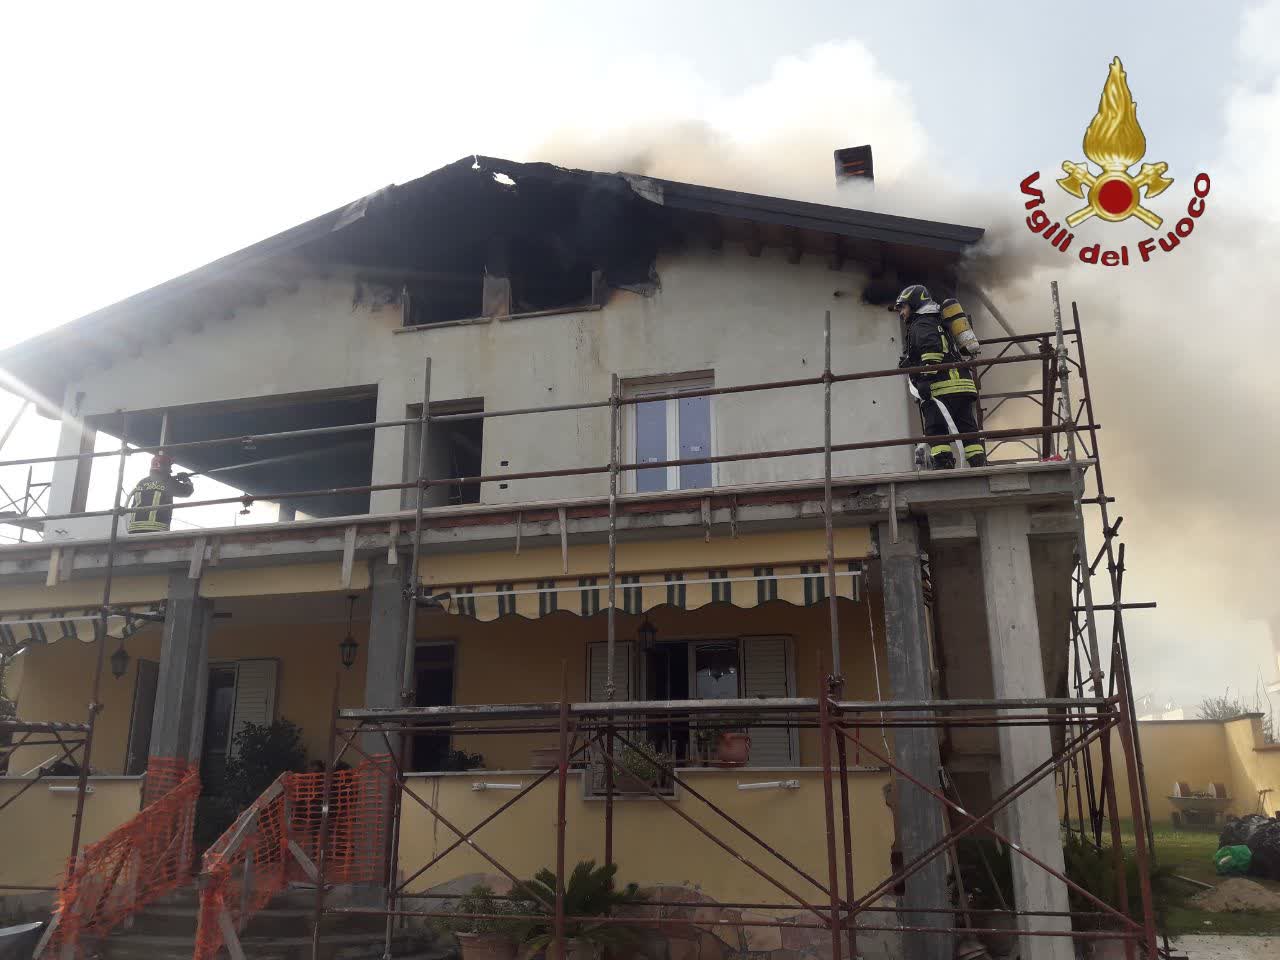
point(837, 674)
point(611, 613)
point(413, 581)
point(95, 705)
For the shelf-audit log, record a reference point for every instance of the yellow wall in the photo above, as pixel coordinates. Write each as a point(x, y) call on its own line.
point(515, 660)
point(651, 844)
point(1199, 753)
point(57, 682)
point(1254, 767)
point(35, 832)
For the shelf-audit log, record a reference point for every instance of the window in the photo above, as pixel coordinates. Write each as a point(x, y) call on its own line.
point(454, 449)
point(239, 692)
point(678, 428)
point(719, 670)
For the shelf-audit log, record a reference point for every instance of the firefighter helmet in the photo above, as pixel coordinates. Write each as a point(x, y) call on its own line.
point(913, 297)
point(160, 462)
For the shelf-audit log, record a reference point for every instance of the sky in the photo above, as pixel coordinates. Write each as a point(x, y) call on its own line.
point(144, 140)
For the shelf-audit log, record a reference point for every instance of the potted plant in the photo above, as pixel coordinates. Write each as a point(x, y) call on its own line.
point(725, 741)
point(642, 766)
point(493, 938)
point(589, 893)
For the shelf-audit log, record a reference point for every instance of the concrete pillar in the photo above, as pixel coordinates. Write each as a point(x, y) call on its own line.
point(918, 815)
point(385, 659)
point(177, 726)
point(1018, 672)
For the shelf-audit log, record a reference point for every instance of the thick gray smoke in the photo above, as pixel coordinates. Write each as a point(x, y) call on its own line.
point(1181, 349)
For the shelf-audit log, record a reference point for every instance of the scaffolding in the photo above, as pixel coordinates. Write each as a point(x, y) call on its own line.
point(1103, 700)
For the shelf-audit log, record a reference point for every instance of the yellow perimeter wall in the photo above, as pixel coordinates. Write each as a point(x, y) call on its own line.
point(1201, 752)
point(35, 832)
point(651, 843)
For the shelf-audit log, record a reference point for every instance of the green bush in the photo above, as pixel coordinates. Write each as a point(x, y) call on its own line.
point(259, 754)
point(481, 899)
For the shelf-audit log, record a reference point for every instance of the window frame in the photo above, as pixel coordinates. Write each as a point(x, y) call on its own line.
point(638, 388)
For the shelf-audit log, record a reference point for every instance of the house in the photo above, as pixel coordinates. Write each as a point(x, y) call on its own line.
point(485, 288)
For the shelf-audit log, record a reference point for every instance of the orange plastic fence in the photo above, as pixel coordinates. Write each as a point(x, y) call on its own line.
point(142, 859)
point(276, 842)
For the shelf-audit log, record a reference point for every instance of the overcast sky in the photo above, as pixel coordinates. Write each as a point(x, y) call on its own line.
point(144, 140)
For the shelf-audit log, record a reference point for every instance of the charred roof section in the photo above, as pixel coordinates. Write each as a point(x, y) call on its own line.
point(486, 236)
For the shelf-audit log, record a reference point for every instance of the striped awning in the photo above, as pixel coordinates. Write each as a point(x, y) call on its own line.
point(21, 629)
point(802, 584)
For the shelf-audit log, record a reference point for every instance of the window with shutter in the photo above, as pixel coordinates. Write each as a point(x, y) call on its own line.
point(766, 672)
point(255, 693)
point(598, 666)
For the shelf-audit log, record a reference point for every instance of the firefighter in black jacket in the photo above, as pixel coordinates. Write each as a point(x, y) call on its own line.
point(929, 341)
point(154, 492)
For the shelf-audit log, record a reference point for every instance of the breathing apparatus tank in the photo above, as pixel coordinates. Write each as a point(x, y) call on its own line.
point(957, 324)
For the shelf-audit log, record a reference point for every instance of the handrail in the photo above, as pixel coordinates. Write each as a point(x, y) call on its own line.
point(274, 842)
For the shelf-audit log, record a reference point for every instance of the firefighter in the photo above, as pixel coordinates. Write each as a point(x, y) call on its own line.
point(929, 341)
point(155, 492)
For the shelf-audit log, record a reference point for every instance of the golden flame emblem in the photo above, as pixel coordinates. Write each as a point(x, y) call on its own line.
point(1115, 142)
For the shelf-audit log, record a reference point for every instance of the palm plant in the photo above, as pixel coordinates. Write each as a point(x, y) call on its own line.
point(588, 893)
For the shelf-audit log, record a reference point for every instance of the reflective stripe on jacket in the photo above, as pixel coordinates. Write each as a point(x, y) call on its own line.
point(928, 342)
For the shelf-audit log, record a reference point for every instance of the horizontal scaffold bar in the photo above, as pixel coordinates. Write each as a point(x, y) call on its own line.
point(514, 711)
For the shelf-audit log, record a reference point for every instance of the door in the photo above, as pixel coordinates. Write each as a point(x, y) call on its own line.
point(433, 671)
point(144, 708)
point(219, 708)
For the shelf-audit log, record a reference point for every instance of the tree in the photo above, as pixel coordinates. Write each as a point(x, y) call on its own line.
point(1227, 707)
point(1224, 707)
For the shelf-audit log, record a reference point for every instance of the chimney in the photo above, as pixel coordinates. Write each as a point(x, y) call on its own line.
point(854, 163)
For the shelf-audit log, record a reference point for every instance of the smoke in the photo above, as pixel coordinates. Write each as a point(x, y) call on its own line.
point(1181, 350)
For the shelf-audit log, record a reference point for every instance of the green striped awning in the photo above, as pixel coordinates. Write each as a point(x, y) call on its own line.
point(798, 584)
point(49, 626)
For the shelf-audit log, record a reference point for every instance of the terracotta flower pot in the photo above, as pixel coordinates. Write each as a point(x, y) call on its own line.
point(733, 749)
point(485, 946)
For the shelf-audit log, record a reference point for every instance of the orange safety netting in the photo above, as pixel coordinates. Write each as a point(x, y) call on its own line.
point(276, 843)
point(137, 862)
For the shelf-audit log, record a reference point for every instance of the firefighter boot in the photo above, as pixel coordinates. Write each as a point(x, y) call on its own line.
point(977, 459)
point(944, 461)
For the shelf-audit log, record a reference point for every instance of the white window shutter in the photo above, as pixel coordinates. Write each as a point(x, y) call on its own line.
point(598, 667)
point(765, 673)
point(255, 693)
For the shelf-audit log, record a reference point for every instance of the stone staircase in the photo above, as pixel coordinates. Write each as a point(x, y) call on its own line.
point(166, 930)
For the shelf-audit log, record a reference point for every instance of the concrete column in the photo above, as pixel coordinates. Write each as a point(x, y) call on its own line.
point(1017, 672)
point(918, 815)
point(385, 659)
point(177, 726)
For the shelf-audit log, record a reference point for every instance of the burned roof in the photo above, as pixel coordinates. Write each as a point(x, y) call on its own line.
point(558, 221)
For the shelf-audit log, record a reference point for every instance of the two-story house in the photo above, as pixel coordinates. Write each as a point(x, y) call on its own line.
point(484, 288)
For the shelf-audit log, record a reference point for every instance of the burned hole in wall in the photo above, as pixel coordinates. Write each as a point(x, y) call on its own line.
point(468, 243)
point(268, 470)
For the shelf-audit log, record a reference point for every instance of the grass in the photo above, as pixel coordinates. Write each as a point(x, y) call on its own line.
point(1190, 854)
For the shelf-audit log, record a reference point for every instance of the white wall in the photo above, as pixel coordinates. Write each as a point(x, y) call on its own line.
point(747, 319)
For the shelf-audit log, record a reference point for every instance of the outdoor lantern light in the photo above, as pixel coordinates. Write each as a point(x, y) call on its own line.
point(120, 661)
point(347, 648)
point(647, 634)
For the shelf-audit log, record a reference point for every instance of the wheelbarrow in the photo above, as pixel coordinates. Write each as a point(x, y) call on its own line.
point(1207, 809)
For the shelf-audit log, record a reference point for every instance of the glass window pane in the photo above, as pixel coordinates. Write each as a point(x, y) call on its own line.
point(695, 441)
point(220, 704)
point(715, 671)
point(651, 444)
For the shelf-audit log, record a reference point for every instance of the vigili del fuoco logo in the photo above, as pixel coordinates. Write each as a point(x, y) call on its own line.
point(1114, 142)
